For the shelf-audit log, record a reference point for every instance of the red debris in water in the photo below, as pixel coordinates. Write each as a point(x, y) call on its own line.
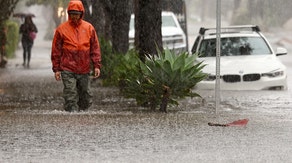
point(241, 122)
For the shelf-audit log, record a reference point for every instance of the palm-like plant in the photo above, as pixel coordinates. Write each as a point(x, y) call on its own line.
point(162, 79)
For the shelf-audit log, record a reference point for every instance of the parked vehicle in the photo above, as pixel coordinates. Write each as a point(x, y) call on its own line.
point(247, 60)
point(173, 36)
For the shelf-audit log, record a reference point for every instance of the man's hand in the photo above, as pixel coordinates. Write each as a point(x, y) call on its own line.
point(96, 73)
point(58, 75)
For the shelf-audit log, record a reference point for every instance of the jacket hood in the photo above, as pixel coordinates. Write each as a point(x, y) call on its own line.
point(76, 5)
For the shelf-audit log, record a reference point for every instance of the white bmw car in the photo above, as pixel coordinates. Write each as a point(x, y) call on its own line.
point(247, 60)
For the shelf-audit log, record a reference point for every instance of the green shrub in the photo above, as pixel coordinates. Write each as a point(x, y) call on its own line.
point(110, 61)
point(12, 38)
point(128, 68)
point(161, 80)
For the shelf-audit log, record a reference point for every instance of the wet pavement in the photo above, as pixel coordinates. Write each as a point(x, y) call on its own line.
point(34, 128)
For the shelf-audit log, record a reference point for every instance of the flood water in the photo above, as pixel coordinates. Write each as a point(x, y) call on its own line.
point(34, 128)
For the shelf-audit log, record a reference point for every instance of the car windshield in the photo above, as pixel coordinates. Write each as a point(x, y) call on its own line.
point(235, 46)
point(167, 21)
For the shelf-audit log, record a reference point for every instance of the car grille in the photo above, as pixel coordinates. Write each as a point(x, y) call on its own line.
point(251, 77)
point(237, 78)
point(231, 78)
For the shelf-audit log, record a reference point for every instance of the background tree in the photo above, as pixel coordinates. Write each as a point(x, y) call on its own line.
point(99, 16)
point(6, 8)
point(116, 22)
point(148, 37)
point(111, 17)
point(121, 15)
point(55, 5)
point(111, 20)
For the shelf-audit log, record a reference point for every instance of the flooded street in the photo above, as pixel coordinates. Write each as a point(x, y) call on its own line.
point(34, 128)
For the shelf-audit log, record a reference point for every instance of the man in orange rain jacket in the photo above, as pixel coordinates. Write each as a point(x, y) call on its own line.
point(75, 46)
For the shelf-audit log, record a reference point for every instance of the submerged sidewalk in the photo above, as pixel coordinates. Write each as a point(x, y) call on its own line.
point(40, 56)
point(40, 63)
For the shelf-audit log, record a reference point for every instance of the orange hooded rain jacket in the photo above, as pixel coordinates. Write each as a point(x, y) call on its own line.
point(75, 45)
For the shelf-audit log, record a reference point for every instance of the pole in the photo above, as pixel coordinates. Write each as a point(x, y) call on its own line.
point(186, 23)
point(218, 52)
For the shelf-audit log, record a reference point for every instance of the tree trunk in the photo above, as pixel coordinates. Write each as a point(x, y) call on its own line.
point(98, 18)
point(107, 8)
point(86, 14)
point(153, 104)
point(148, 21)
point(120, 26)
point(165, 99)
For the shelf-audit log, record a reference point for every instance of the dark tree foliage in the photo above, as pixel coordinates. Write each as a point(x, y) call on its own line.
point(148, 35)
point(6, 8)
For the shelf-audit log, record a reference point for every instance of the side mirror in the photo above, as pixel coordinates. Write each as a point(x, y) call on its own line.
point(281, 51)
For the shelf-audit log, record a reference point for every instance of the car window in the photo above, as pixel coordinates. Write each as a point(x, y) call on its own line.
point(168, 21)
point(235, 46)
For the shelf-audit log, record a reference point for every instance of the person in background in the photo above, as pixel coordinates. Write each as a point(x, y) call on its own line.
point(75, 46)
point(28, 30)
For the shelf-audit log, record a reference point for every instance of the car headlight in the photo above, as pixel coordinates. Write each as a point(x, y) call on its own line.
point(273, 74)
